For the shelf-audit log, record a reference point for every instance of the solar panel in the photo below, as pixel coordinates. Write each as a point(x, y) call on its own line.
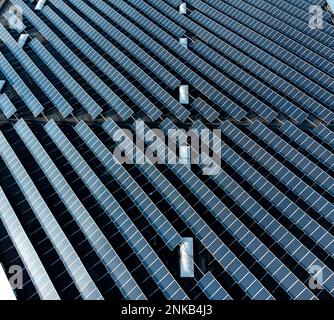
point(98, 241)
point(238, 230)
point(306, 223)
point(205, 110)
point(6, 292)
point(196, 224)
point(252, 84)
point(97, 84)
point(220, 79)
point(6, 106)
point(308, 144)
point(295, 184)
point(2, 85)
point(113, 74)
point(31, 261)
point(131, 234)
point(278, 25)
point(250, 64)
point(154, 216)
point(20, 87)
point(325, 134)
point(36, 74)
point(78, 92)
point(290, 154)
point(200, 84)
point(273, 63)
point(69, 257)
point(117, 55)
point(172, 27)
point(294, 247)
point(129, 45)
point(212, 288)
point(291, 52)
point(323, 36)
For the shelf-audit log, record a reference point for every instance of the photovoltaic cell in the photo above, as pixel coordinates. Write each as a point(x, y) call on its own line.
point(131, 234)
point(32, 263)
point(98, 241)
point(69, 257)
point(212, 288)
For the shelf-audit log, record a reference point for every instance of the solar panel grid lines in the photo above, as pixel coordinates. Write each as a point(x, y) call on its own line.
point(201, 65)
point(307, 224)
point(69, 257)
point(325, 134)
point(58, 70)
point(205, 110)
point(307, 143)
point(195, 223)
point(127, 64)
point(297, 55)
point(41, 80)
point(324, 36)
point(303, 38)
point(252, 83)
point(323, 179)
point(294, 76)
point(212, 288)
point(154, 216)
point(20, 87)
point(229, 220)
point(290, 283)
point(178, 66)
point(107, 254)
point(294, 183)
point(99, 86)
point(34, 267)
point(113, 74)
point(243, 96)
point(172, 27)
point(128, 44)
point(7, 106)
point(252, 65)
point(130, 233)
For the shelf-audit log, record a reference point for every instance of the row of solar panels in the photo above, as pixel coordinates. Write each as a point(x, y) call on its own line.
point(98, 241)
point(275, 83)
point(210, 240)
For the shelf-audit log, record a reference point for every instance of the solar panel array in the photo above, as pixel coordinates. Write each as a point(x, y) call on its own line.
point(95, 203)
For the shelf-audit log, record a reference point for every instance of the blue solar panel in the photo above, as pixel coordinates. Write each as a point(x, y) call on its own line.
point(307, 143)
point(97, 84)
point(303, 38)
point(125, 85)
point(69, 257)
point(237, 270)
point(212, 288)
point(98, 241)
point(78, 92)
point(266, 38)
point(43, 83)
point(33, 265)
point(200, 84)
point(131, 234)
point(129, 45)
point(117, 55)
point(325, 134)
point(301, 162)
point(293, 182)
point(156, 219)
point(20, 87)
point(6, 106)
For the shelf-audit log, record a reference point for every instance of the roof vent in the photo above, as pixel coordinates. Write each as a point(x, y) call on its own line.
point(184, 42)
point(184, 94)
point(183, 8)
